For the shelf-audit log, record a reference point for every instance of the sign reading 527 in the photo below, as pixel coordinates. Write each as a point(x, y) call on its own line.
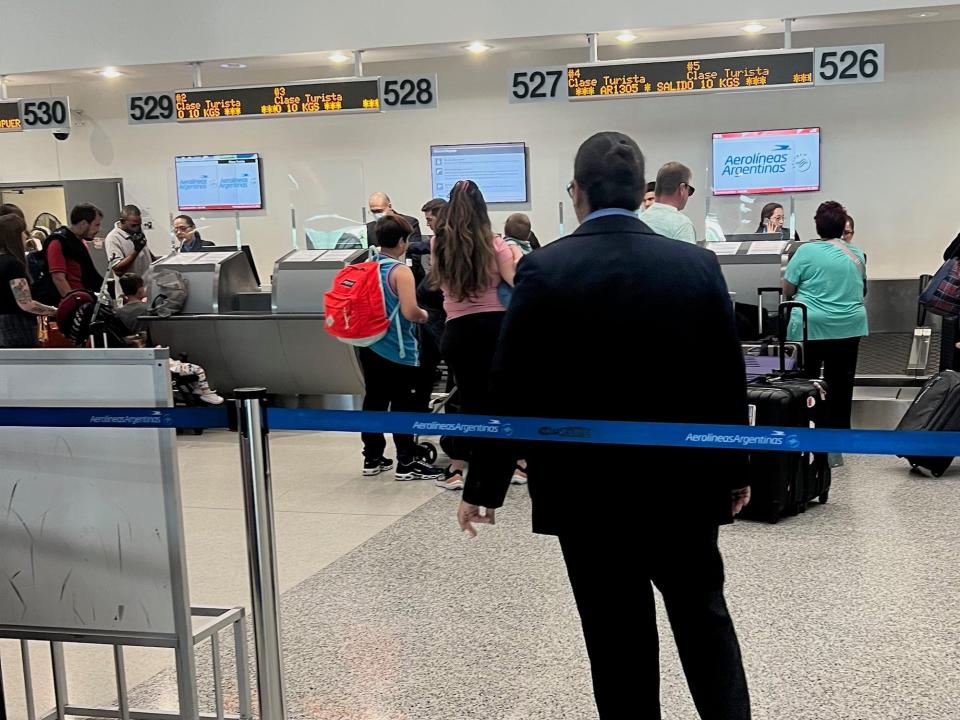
point(541, 84)
point(847, 65)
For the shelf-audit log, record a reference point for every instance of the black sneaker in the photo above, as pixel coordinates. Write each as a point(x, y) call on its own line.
point(418, 471)
point(375, 467)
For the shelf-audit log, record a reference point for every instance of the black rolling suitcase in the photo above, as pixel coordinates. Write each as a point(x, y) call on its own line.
point(783, 483)
point(936, 408)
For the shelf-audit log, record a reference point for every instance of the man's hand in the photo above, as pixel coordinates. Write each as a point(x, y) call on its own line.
point(741, 498)
point(139, 242)
point(469, 515)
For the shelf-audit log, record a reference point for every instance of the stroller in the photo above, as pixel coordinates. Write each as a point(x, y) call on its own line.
point(83, 318)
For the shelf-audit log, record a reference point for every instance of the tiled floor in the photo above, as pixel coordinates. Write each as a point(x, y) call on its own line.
point(849, 612)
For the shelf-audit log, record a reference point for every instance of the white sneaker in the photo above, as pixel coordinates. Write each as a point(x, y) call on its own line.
point(451, 480)
point(211, 399)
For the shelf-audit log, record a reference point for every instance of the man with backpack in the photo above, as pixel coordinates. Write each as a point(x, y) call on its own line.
point(66, 264)
point(373, 306)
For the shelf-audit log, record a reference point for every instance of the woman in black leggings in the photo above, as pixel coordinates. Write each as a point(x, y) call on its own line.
point(469, 262)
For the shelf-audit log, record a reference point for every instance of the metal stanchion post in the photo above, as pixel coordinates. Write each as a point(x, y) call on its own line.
point(261, 550)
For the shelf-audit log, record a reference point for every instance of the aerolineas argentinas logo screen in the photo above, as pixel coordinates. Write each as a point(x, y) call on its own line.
point(766, 161)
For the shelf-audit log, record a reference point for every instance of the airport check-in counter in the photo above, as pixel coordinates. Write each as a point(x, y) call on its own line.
point(214, 279)
point(285, 350)
point(748, 266)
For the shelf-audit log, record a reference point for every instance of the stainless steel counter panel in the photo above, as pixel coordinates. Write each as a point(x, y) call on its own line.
point(289, 354)
point(301, 277)
point(214, 279)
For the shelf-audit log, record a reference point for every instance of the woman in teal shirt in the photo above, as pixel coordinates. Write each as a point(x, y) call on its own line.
point(829, 276)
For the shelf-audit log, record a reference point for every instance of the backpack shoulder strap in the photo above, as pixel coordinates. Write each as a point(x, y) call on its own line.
point(842, 247)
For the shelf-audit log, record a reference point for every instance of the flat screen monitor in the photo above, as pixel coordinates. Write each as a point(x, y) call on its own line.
point(232, 249)
point(219, 182)
point(766, 161)
point(498, 169)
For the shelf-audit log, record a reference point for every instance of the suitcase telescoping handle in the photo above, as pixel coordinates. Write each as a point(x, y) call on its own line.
point(783, 318)
point(760, 293)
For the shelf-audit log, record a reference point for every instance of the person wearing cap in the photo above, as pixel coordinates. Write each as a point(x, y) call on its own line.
point(660, 527)
point(673, 190)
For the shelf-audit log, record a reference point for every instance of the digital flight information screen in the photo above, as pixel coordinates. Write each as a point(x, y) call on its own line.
point(716, 73)
point(319, 97)
point(10, 117)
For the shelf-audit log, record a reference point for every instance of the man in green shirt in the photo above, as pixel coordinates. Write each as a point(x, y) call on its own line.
point(664, 217)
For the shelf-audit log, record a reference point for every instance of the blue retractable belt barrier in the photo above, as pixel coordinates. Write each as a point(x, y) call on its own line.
point(863, 442)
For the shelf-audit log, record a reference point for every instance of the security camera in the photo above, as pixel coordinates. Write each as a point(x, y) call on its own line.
point(62, 135)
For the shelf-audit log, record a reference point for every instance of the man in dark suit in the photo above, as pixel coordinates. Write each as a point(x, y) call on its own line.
point(617, 323)
point(379, 205)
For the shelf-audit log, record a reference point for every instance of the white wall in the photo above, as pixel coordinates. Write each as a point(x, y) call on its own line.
point(94, 33)
point(890, 150)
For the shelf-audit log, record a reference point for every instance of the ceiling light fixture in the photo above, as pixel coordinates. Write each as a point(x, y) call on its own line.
point(339, 57)
point(233, 65)
point(110, 73)
point(924, 15)
point(477, 47)
point(753, 27)
point(626, 37)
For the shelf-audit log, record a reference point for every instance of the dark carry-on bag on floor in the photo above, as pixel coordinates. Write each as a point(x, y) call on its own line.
point(783, 483)
point(936, 408)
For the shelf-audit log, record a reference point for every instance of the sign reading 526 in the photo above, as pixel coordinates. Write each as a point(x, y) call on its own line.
point(846, 65)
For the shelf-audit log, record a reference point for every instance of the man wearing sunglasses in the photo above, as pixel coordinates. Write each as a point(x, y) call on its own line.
point(673, 190)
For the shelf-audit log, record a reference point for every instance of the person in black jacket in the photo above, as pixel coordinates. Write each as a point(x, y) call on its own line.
point(577, 343)
point(950, 333)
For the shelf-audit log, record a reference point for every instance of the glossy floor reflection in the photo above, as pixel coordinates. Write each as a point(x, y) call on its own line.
point(848, 612)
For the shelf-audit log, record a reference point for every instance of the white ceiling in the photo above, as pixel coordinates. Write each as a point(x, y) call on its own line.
point(645, 37)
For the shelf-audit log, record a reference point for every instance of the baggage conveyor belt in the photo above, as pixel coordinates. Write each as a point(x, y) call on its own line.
point(885, 387)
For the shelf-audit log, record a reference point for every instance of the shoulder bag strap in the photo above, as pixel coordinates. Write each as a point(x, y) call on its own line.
point(842, 247)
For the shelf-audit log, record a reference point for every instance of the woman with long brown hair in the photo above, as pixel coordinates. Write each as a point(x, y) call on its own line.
point(469, 262)
point(18, 309)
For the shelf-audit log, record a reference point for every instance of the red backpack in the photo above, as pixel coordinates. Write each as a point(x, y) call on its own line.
point(355, 307)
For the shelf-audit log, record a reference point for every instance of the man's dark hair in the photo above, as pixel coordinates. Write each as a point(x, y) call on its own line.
point(609, 169)
point(85, 212)
point(830, 218)
point(651, 187)
point(433, 206)
point(11, 209)
point(853, 225)
point(130, 283)
point(129, 210)
point(391, 229)
point(670, 178)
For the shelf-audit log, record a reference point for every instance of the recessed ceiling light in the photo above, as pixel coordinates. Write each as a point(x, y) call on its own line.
point(626, 37)
point(339, 57)
point(925, 14)
point(477, 48)
point(233, 66)
point(753, 28)
point(110, 72)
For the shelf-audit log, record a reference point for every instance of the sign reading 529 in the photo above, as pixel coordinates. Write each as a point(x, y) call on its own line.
point(150, 107)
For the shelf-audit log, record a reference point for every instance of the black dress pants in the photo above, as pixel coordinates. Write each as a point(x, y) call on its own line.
point(612, 575)
point(839, 361)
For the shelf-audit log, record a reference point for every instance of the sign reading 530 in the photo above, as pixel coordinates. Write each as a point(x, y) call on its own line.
point(45, 113)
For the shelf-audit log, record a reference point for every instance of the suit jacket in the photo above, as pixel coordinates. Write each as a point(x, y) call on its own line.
point(415, 236)
point(617, 323)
